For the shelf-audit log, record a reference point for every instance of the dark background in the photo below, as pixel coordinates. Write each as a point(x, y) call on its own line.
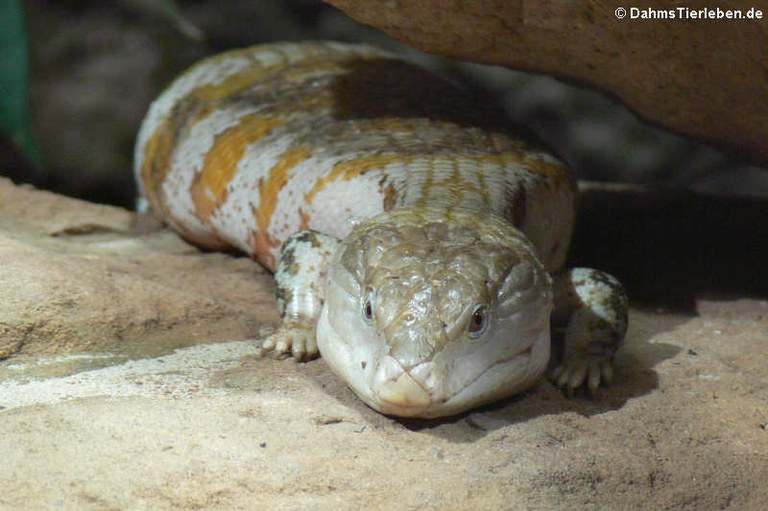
point(96, 65)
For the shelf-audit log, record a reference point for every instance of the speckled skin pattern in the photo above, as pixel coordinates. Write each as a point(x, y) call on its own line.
point(414, 237)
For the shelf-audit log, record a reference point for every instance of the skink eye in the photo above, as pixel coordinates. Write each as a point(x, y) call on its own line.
point(478, 321)
point(368, 307)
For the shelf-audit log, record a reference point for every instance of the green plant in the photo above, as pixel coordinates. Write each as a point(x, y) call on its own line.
point(14, 104)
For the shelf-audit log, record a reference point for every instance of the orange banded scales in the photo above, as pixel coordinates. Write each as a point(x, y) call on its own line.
point(324, 161)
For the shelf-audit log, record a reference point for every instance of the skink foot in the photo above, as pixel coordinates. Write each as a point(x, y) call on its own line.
point(291, 340)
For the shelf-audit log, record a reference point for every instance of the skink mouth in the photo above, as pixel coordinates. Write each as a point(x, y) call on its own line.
point(404, 392)
point(394, 385)
point(399, 392)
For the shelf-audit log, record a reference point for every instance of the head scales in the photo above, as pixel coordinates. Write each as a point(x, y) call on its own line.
point(427, 272)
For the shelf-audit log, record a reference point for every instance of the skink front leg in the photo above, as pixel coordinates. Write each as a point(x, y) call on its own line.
point(300, 291)
point(590, 310)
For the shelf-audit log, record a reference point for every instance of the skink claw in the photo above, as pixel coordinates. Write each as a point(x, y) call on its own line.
point(589, 371)
point(294, 340)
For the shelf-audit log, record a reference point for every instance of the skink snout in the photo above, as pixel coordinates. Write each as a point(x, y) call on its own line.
point(396, 387)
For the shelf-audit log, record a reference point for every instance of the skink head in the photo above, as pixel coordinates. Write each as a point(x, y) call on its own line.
point(429, 315)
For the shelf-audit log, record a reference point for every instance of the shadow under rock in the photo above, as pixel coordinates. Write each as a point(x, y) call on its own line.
point(671, 247)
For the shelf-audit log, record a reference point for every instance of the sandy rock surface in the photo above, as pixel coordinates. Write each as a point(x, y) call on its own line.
point(81, 276)
point(113, 394)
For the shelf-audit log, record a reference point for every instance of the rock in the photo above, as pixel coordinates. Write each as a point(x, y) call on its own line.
point(700, 77)
point(77, 276)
